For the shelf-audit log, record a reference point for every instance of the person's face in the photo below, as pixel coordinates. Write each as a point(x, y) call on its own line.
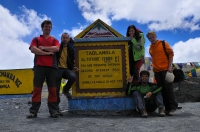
point(47, 28)
point(152, 38)
point(65, 38)
point(131, 32)
point(144, 79)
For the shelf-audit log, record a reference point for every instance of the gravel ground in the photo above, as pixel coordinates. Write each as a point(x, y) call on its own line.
point(13, 119)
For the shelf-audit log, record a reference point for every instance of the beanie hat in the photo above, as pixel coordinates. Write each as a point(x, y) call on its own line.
point(169, 77)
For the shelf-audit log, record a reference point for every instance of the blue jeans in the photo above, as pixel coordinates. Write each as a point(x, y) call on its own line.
point(151, 104)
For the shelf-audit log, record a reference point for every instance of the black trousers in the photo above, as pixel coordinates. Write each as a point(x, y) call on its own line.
point(66, 74)
point(167, 91)
point(40, 74)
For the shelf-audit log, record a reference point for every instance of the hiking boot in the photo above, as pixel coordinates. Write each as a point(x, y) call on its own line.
point(167, 112)
point(68, 95)
point(31, 115)
point(161, 112)
point(144, 113)
point(55, 115)
point(172, 113)
point(179, 107)
point(60, 112)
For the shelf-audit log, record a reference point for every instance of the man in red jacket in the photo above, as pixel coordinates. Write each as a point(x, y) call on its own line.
point(45, 67)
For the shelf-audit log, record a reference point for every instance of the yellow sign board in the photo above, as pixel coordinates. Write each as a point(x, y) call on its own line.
point(100, 68)
point(19, 81)
point(103, 69)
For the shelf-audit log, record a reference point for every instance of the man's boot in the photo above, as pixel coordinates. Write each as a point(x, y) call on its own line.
point(161, 112)
point(67, 93)
point(144, 113)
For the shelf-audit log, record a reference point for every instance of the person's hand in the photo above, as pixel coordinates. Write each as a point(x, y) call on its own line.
point(130, 79)
point(49, 53)
point(40, 47)
point(148, 95)
point(75, 69)
point(170, 69)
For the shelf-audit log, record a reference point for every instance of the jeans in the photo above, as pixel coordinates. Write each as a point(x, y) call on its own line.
point(151, 104)
point(66, 74)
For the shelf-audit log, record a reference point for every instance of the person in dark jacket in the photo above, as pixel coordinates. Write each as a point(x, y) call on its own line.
point(66, 66)
point(147, 96)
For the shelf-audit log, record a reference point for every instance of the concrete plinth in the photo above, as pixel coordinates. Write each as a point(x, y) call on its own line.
point(101, 104)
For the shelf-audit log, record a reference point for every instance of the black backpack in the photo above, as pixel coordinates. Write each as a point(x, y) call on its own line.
point(179, 75)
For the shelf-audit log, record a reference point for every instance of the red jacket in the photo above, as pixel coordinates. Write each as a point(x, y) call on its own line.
point(45, 60)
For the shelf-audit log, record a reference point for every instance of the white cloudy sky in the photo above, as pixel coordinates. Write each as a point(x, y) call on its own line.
point(176, 21)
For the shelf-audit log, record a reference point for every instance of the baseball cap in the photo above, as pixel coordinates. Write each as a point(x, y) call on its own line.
point(169, 77)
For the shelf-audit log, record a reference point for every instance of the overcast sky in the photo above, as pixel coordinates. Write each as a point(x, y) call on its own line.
point(175, 21)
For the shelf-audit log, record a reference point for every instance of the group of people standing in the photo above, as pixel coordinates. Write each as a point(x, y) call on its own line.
point(148, 97)
point(54, 61)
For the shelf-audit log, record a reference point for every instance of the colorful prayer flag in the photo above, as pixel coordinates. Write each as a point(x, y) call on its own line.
point(175, 65)
point(194, 74)
point(196, 64)
point(180, 65)
point(191, 63)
